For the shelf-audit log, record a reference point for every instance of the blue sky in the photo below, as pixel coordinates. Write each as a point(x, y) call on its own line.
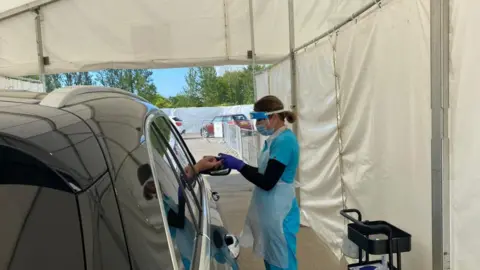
point(171, 81)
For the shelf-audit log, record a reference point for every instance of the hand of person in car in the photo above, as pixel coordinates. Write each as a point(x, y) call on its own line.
point(205, 164)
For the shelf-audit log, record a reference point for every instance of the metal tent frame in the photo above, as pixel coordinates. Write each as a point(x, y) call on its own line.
point(440, 156)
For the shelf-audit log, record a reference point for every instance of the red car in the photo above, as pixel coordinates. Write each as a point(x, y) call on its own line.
point(232, 119)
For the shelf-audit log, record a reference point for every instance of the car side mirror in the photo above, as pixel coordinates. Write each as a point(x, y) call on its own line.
point(220, 172)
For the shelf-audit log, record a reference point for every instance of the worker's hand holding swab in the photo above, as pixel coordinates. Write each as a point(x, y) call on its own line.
point(231, 162)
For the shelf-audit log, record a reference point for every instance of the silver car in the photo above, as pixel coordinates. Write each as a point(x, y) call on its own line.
point(94, 178)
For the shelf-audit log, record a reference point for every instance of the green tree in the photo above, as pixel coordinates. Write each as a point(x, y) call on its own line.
point(162, 102)
point(53, 82)
point(76, 78)
point(192, 94)
point(137, 81)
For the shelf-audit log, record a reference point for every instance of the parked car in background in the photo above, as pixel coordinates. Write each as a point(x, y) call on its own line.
point(178, 123)
point(233, 119)
point(94, 178)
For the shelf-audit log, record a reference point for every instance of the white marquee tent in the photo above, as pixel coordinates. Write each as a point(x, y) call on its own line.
point(386, 93)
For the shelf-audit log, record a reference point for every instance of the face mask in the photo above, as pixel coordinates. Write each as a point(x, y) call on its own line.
point(264, 131)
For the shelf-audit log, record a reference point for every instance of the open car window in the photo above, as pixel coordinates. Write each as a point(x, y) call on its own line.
point(179, 191)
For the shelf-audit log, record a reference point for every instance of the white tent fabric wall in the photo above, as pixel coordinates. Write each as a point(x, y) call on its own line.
point(464, 134)
point(19, 84)
point(262, 84)
point(321, 191)
point(158, 33)
point(384, 80)
point(280, 82)
point(382, 63)
point(195, 118)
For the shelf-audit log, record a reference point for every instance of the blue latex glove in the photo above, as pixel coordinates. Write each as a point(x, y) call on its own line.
point(231, 162)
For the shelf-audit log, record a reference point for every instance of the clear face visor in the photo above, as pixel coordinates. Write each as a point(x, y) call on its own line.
point(262, 115)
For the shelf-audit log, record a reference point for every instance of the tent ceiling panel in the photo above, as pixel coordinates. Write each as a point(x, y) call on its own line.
point(18, 45)
point(12, 4)
point(81, 35)
point(313, 17)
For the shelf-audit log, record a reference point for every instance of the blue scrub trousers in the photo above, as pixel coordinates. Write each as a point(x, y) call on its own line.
point(291, 226)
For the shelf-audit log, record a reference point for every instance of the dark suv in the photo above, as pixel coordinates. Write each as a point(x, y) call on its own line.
point(89, 179)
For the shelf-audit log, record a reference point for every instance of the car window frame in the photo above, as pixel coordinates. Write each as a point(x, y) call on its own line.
point(200, 256)
point(149, 119)
point(181, 185)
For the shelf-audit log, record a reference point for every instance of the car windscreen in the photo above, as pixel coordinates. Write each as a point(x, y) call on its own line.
point(239, 117)
point(176, 119)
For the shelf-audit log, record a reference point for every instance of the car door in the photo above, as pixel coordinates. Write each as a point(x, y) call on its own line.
point(211, 125)
point(191, 232)
point(180, 196)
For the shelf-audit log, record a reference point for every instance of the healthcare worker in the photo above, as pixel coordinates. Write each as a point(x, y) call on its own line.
point(273, 218)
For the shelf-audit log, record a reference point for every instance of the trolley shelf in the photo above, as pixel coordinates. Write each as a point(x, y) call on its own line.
point(362, 238)
point(377, 238)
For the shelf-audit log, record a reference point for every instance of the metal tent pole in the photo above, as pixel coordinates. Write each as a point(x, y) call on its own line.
point(252, 42)
point(38, 32)
point(440, 155)
point(293, 74)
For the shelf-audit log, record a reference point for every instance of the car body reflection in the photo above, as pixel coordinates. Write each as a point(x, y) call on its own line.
point(93, 154)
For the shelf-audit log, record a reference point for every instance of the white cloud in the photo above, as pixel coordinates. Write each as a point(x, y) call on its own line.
point(222, 69)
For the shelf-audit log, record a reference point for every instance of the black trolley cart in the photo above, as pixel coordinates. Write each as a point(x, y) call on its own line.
point(360, 232)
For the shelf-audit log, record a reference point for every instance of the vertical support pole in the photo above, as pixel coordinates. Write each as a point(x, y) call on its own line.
point(440, 156)
point(293, 73)
point(38, 32)
point(252, 42)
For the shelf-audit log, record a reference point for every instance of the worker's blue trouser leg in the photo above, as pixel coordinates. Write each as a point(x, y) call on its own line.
point(292, 251)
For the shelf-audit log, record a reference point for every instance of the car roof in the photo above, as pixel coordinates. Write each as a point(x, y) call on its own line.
point(62, 128)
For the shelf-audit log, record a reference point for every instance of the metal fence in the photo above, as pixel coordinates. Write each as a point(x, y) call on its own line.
point(243, 143)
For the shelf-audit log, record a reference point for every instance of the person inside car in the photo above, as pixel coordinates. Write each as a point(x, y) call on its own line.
point(181, 230)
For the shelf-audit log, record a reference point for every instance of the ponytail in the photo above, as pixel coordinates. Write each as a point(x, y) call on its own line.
point(290, 116)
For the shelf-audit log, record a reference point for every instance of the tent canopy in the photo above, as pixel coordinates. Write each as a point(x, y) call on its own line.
point(83, 35)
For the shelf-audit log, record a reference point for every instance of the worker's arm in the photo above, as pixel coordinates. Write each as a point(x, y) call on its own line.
point(280, 154)
point(266, 181)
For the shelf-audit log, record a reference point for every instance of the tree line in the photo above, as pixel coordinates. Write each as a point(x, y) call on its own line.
point(203, 88)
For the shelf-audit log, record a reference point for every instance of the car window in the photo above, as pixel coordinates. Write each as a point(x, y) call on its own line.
point(146, 234)
point(165, 135)
point(239, 117)
point(179, 193)
point(176, 119)
point(40, 228)
point(227, 118)
point(218, 119)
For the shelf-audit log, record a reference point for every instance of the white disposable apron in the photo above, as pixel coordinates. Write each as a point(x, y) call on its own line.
point(263, 227)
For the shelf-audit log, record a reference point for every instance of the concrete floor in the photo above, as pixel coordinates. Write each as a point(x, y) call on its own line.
point(235, 194)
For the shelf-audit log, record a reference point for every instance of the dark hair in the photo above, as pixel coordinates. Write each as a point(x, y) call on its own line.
point(144, 172)
point(271, 104)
